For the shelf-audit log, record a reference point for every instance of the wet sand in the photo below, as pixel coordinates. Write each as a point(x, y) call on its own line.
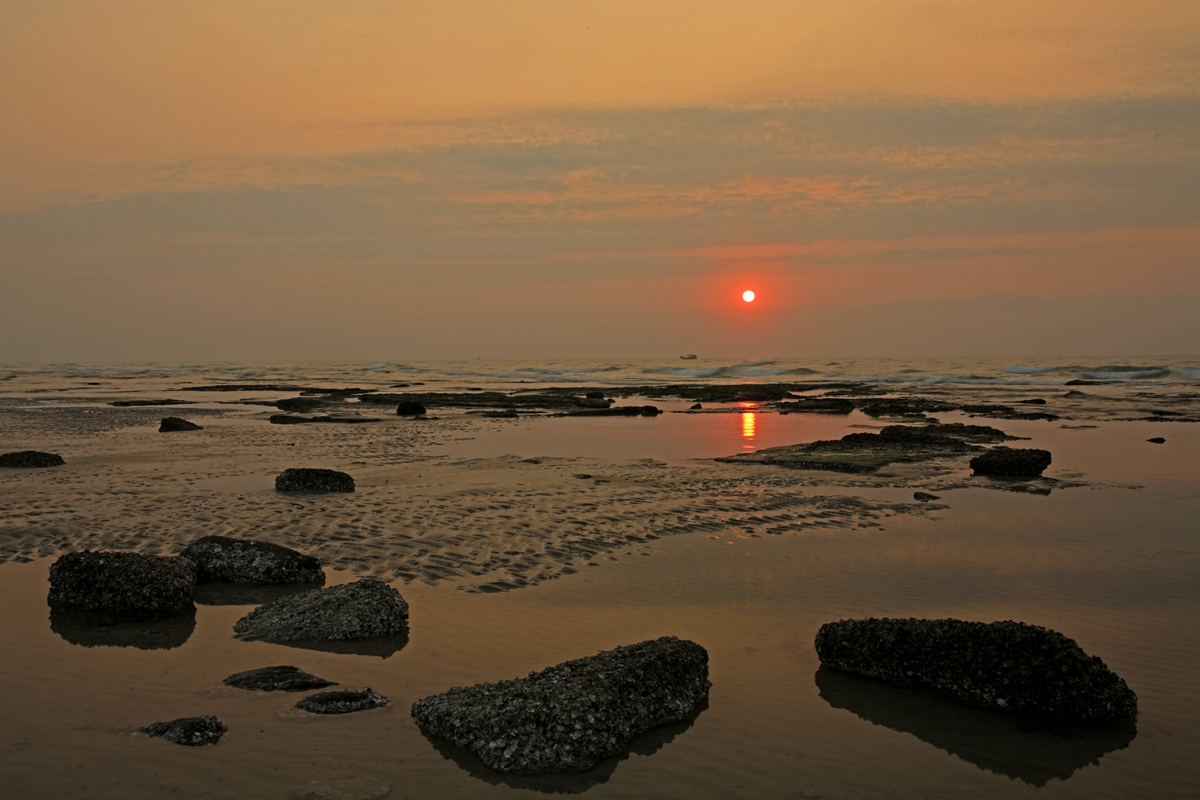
point(512, 563)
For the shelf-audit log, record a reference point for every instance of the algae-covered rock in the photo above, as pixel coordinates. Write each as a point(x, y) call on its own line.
point(190, 731)
point(129, 585)
point(1008, 666)
point(366, 609)
point(222, 558)
point(31, 459)
point(276, 679)
point(569, 717)
point(175, 424)
point(345, 702)
point(1011, 462)
point(313, 480)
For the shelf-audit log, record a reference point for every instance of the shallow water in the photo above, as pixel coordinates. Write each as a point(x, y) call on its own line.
point(747, 561)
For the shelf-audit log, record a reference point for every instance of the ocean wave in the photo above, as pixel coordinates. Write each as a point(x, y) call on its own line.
point(1023, 369)
point(1192, 372)
point(1121, 373)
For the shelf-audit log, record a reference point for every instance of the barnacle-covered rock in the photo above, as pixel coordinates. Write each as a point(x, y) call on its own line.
point(1009, 666)
point(276, 679)
point(190, 731)
point(569, 717)
point(1015, 462)
point(344, 702)
point(31, 458)
point(303, 479)
point(222, 558)
point(129, 585)
point(365, 609)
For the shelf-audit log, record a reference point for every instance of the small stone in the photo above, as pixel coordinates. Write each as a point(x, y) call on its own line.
point(1011, 462)
point(223, 558)
point(276, 679)
point(189, 731)
point(1157, 440)
point(342, 702)
point(925, 497)
point(174, 424)
point(31, 459)
point(696, 407)
point(313, 480)
point(365, 609)
point(410, 408)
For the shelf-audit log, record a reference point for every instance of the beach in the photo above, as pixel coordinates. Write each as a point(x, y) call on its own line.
point(521, 541)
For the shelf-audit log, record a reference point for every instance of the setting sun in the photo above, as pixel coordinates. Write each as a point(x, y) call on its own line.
point(748, 296)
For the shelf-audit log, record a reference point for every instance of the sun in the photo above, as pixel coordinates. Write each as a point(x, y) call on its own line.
point(748, 296)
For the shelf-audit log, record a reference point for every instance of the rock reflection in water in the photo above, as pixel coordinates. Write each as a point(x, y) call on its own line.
point(647, 744)
point(382, 647)
point(97, 629)
point(1006, 744)
point(242, 594)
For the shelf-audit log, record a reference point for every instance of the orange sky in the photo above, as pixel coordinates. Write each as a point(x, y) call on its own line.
point(846, 155)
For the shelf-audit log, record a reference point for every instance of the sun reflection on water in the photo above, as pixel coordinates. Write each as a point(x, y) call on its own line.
point(748, 422)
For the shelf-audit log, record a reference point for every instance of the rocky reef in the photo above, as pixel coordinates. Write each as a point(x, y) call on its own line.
point(301, 479)
point(189, 731)
point(365, 609)
point(31, 459)
point(1011, 462)
point(128, 585)
point(569, 717)
point(222, 558)
point(345, 702)
point(1007, 666)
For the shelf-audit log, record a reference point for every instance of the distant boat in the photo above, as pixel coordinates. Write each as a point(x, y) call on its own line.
point(688, 357)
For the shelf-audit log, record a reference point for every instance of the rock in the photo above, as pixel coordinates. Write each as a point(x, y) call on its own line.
point(221, 558)
point(174, 424)
point(1008, 666)
point(190, 731)
point(139, 403)
point(31, 458)
point(287, 419)
point(570, 716)
point(619, 411)
point(1033, 401)
point(595, 395)
point(410, 408)
point(129, 585)
point(925, 497)
point(696, 407)
point(1157, 440)
point(342, 702)
point(819, 405)
point(276, 679)
point(593, 402)
point(1011, 462)
point(313, 480)
point(366, 609)
point(361, 787)
point(1075, 393)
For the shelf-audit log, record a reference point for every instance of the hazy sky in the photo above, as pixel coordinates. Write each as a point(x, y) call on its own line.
point(402, 181)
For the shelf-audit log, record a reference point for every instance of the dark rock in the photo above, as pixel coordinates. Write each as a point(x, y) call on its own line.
point(174, 424)
point(276, 679)
point(190, 731)
point(583, 476)
point(593, 402)
point(1157, 440)
point(410, 408)
point(342, 702)
point(313, 480)
point(903, 407)
point(925, 497)
point(219, 593)
point(287, 419)
point(220, 558)
point(130, 585)
point(1074, 393)
point(619, 411)
point(365, 609)
point(1011, 462)
point(595, 395)
point(139, 403)
point(1033, 401)
point(301, 405)
point(570, 716)
point(1008, 666)
point(819, 405)
point(696, 407)
point(103, 629)
point(31, 458)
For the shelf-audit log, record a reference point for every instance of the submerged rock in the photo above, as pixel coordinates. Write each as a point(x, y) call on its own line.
point(1008, 666)
point(31, 458)
point(190, 731)
point(221, 558)
point(570, 716)
point(619, 411)
point(342, 702)
point(174, 424)
point(276, 679)
point(410, 408)
point(313, 480)
point(819, 405)
point(1011, 462)
point(366, 609)
point(925, 497)
point(130, 585)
